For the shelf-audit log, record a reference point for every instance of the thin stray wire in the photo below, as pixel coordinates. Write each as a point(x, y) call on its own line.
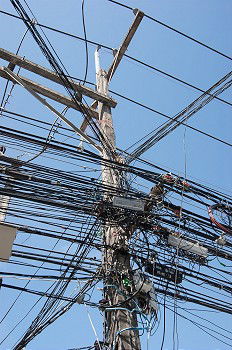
point(86, 41)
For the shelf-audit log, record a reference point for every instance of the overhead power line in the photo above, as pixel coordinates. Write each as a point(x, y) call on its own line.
point(171, 118)
point(137, 103)
point(62, 216)
point(183, 116)
point(127, 56)
point(56, 64)
point(175, 30)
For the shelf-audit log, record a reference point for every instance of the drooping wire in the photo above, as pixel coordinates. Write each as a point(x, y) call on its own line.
point(86, 42)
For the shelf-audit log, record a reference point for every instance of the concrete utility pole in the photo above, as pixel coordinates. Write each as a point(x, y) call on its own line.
point(120, 323)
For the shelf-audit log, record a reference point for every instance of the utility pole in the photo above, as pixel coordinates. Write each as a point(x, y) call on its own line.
point(120, 322)
point(120, 326)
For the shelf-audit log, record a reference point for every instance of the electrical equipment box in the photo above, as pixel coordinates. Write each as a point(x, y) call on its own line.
point(160, 270)
point(128, 203)
point(194, 248)
point(7, 237)
point(146, 293)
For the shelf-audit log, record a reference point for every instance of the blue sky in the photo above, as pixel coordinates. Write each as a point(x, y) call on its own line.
point(206, 160)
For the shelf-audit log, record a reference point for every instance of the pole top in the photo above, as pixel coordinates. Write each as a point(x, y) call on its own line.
point(136, 11)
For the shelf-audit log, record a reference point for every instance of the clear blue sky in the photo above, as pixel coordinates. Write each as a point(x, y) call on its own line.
point(207, 161)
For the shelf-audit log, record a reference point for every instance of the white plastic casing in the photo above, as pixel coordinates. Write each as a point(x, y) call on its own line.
point(141, 284)
point(191, 247)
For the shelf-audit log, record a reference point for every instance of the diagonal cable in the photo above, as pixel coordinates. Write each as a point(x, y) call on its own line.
point(182, 116)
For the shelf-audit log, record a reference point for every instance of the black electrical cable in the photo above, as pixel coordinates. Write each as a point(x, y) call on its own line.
point(34, 292)
point(207, 194)
point(35, 324)
point(164, 324)
point(64, 309)
point(36, 169)
point(39, 277)
point(134, 170)
point(171, 118)
point(175, 30)
point(204, 193)
point(11, 67)
point(86, 42)
point(182, 116)
point(62, 73)
point(128, 56)
point(156, 112)
point(201, 327)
